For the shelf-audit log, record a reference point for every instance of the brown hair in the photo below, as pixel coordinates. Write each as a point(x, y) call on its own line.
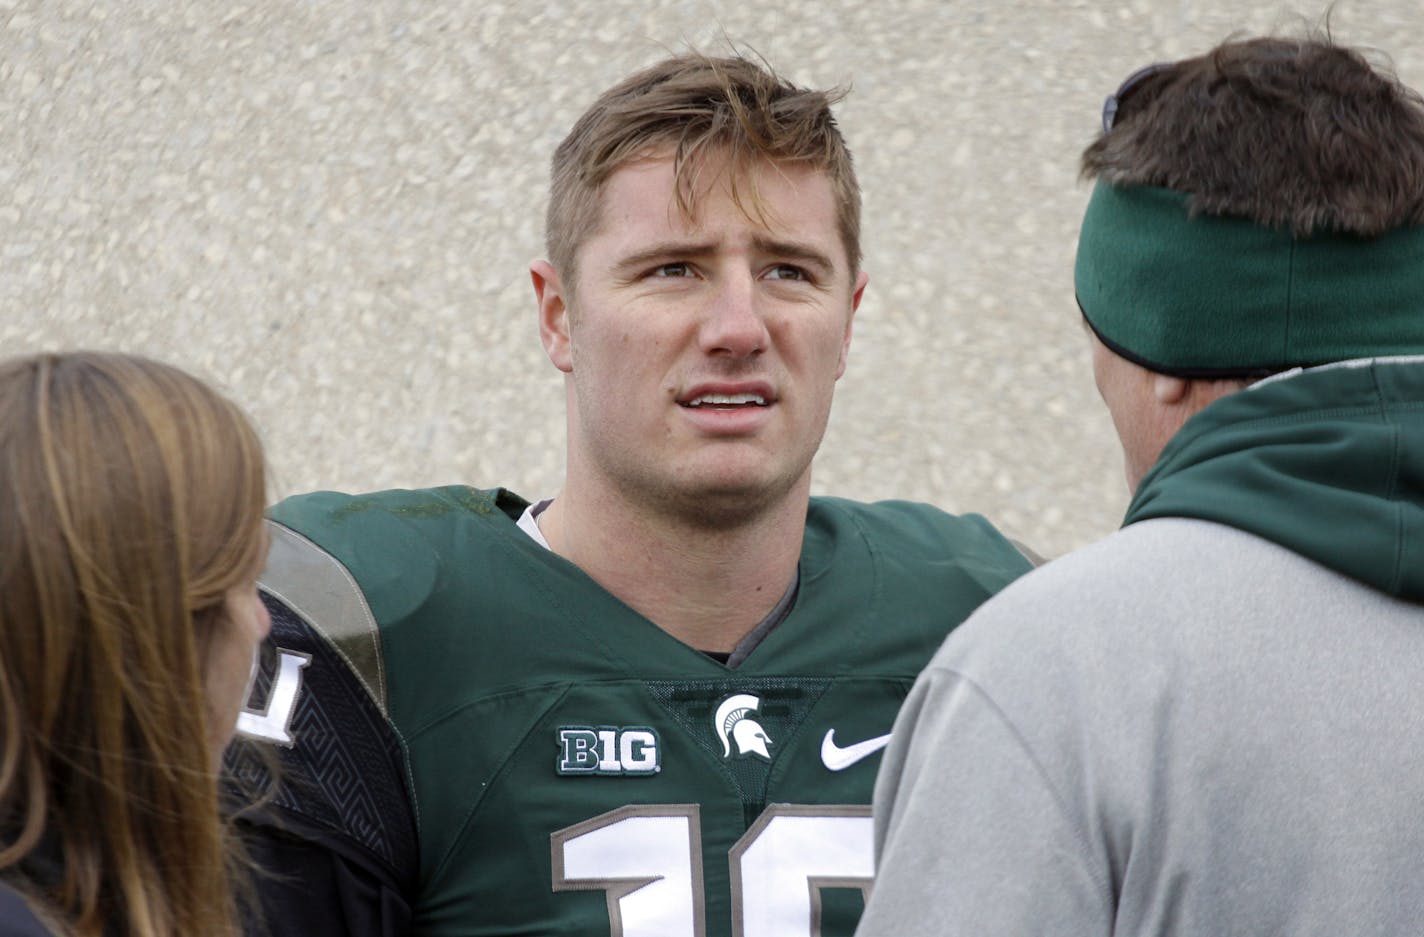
point(1291, 133)
point(131, 499)
point(696, 105)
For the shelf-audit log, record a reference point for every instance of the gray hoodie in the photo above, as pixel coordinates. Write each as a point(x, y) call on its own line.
point(1210, 723)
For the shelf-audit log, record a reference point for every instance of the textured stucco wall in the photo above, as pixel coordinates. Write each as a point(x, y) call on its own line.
point(329, 208)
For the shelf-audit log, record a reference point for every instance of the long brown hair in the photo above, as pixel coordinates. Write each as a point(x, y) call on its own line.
point(131, 497)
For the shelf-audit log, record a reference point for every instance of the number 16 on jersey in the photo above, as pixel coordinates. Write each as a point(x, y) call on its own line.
point(647, 858)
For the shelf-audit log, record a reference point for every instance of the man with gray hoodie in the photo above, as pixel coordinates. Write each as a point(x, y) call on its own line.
point(1211, 722)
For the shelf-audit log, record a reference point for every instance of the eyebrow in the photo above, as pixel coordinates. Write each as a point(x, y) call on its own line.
point(666, 250)
point(791, 250)
point(633, 263)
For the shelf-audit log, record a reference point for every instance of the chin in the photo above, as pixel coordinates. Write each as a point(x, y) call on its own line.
point(721, 511)
point(728, 501)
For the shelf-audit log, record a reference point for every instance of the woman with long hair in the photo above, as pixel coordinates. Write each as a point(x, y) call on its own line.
point(131, 537)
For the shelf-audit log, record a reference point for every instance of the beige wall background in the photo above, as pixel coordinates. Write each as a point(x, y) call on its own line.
point(328, 207)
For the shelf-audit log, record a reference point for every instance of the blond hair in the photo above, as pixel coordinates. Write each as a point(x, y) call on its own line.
point(131, 498)
point(697, 106)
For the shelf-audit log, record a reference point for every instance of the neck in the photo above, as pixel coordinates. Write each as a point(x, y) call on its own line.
point(706, 586)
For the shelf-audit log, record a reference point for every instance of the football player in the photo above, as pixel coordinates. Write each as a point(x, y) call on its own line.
point(650, 706)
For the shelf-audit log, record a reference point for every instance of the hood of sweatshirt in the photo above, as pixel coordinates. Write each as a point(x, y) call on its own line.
point(1327, 462)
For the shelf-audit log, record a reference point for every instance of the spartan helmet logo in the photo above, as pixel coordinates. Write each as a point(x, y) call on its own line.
point(734, 724)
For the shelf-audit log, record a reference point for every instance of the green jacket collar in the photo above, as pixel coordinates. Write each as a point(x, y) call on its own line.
point(1327, 462)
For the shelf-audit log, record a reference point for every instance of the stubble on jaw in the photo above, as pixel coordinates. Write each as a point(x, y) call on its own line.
point(717, 510)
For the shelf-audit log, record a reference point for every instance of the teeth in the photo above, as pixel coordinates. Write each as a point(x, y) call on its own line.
point(727, 400)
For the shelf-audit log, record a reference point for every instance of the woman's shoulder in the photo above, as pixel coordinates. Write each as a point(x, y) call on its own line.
point(16, 918)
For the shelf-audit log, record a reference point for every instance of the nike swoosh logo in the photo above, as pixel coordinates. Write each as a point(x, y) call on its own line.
point(839, 759)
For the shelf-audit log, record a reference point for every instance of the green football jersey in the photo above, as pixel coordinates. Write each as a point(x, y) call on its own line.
point(568, 767)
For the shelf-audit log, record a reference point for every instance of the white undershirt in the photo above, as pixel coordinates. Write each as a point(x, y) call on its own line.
point(529, 521)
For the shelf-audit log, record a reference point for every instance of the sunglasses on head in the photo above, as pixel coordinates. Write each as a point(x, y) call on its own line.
point(1131, 83)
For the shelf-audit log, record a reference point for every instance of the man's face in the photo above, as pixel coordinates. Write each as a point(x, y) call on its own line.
point(702, 354)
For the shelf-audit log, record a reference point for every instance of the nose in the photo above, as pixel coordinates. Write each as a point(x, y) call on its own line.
point(734, 325)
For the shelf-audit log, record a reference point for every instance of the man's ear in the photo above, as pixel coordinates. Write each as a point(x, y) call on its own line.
point(861, 279)
point(1169, 390)
point(553, 314)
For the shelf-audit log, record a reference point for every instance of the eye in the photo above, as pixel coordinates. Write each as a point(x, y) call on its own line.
point(672, 270)
point(787, 272)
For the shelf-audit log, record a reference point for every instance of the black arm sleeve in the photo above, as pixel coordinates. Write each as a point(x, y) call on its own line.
point(331, 825)
point(308, 885)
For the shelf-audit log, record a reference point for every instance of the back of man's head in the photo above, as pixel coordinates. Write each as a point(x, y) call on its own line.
point(1288, 133)
point(1257, 208)
point(690, 107)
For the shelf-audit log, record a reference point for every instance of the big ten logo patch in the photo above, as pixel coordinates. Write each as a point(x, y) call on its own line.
point(594, 750)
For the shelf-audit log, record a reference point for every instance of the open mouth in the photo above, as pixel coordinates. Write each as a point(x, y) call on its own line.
point(725, 401)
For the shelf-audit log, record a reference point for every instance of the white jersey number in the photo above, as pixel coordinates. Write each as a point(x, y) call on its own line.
point(648, 859)
point(274, 721)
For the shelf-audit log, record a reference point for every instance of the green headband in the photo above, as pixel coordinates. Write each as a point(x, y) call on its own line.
point(1209, 296)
